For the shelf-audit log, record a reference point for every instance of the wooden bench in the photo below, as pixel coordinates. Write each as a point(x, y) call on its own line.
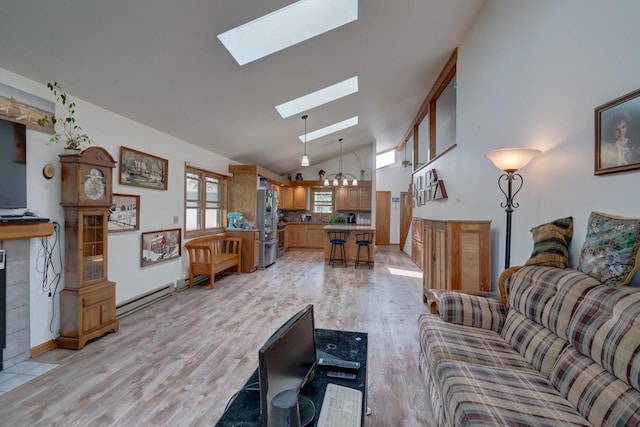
point(213, 254)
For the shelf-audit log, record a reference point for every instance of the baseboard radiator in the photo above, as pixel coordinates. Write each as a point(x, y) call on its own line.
point(197, 279)
point(141, 301)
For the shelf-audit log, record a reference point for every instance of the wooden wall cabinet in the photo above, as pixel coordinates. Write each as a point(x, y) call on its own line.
point(250, 248)
point(299, 198)
point(353, 198)
point(457, 255)
point(285, 200)
point(417, 242)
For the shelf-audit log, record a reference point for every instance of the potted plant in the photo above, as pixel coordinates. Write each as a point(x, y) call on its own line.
point(72, 135)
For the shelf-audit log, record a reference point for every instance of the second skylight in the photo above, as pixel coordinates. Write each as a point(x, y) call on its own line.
point(319, 97)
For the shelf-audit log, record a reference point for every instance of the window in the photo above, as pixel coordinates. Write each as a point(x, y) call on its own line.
point(322, 201)
point(205, 202)
point(385, 159)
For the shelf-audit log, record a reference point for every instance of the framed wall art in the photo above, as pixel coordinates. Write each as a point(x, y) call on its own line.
point(124, 214)
point(159, 246)
point(143, 170)
point(617, 124)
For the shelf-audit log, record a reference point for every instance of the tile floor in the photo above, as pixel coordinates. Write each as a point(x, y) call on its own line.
point(22, 373)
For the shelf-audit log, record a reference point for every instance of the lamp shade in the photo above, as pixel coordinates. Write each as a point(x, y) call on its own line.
point(512, 159)
point(305, 161)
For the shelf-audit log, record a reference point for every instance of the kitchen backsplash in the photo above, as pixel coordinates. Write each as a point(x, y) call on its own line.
point(362, 217)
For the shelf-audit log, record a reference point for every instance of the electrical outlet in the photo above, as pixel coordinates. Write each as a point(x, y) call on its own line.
point(175, 219)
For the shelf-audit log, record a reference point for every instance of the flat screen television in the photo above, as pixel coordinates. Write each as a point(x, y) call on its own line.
point(287, 361)
point(13, 165)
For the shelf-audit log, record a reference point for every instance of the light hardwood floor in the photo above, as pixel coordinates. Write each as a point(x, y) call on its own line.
point(177, 362)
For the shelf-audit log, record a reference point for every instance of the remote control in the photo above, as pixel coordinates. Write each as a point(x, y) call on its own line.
point(341, 375)
point(338, 364)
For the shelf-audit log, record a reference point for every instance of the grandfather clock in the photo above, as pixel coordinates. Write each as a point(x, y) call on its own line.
point(88, 300)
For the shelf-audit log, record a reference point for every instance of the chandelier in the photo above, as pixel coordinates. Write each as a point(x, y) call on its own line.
point(341, 178)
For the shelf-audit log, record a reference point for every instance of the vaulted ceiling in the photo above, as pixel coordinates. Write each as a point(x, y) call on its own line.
point(160, 63)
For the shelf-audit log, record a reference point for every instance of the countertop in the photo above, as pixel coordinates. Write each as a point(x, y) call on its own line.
point(349, 227)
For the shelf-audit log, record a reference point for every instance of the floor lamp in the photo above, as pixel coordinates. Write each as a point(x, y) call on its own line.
point(510, 160)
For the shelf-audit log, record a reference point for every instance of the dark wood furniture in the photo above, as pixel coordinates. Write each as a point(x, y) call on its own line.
point(88, 300)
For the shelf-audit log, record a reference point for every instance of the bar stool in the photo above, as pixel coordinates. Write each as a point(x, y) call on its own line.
point(364, 240)
point(338, 240)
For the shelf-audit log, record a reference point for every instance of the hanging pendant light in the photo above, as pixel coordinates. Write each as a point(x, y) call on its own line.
point(305, 158)
point(406, 164)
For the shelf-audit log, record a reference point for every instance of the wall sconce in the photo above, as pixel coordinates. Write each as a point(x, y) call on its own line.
point(510, 160)
point(305, 158)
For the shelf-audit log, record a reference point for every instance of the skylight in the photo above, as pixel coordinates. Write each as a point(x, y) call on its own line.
point(330, 129)
point(319, 97)
point(285, 27)
point(385, 159)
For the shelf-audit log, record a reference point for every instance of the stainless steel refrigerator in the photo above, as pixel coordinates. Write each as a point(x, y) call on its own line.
point(268, 225)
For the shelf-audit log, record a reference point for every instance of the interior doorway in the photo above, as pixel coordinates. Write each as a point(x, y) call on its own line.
point(383, 217)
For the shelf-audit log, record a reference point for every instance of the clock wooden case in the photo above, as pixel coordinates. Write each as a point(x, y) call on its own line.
point(88, 300)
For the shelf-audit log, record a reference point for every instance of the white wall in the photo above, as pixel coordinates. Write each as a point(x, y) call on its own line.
point(529, 75)
point(157, 209)
point(396, 180)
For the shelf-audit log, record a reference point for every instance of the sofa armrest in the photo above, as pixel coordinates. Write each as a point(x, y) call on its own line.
point(461, 308)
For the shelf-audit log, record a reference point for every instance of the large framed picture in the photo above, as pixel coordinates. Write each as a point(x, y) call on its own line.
point(143, 170)
point(124, 214)
point(159, 246)
point(618, 135)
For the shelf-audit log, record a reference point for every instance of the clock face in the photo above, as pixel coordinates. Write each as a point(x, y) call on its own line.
point(94, 185)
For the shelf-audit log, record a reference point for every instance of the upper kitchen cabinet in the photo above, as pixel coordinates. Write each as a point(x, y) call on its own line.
point(243, 194)
point(293, 198)
point(353, 198)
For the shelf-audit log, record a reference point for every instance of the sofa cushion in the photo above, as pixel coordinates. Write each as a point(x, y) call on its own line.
point(476, 395)
point(606, 328)
point(551, 243)
point(539, 346)
point(610, 251)
point(443, 341)
point(600, 397)
point(548, 296)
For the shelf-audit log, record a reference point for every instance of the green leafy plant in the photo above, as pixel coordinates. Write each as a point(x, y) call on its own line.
point(72, 134)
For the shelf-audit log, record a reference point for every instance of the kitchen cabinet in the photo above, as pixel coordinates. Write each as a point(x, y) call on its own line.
point(353, 198)
point(365, 199)
point(457, 255)
point(297, 235)
point(417, 242)
point(299, 198)
point(315, 236)
point(286, 198)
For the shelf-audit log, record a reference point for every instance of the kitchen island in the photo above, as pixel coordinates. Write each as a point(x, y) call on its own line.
point(351, 247)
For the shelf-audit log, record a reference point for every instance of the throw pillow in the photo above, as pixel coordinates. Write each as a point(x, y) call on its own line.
point(610, 251)
point(551, 243)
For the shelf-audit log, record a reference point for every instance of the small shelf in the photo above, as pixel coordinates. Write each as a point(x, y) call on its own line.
point(25, 231)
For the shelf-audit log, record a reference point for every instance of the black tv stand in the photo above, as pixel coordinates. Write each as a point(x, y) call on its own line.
point(245, 408)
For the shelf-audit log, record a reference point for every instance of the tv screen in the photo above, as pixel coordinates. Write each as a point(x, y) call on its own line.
point(287, 360)
point(13, 165)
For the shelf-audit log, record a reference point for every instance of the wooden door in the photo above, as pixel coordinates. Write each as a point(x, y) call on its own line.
point(405, 217)
point(383, 217)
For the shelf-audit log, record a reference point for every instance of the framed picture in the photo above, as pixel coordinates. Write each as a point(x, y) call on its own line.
point(124, 214)
point(160, 246)
point(419, 182)
point(143, 170)
point(618, 135)
point(422, 197)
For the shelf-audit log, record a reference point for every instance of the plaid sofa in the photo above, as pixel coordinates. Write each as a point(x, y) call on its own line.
point(566, 351)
